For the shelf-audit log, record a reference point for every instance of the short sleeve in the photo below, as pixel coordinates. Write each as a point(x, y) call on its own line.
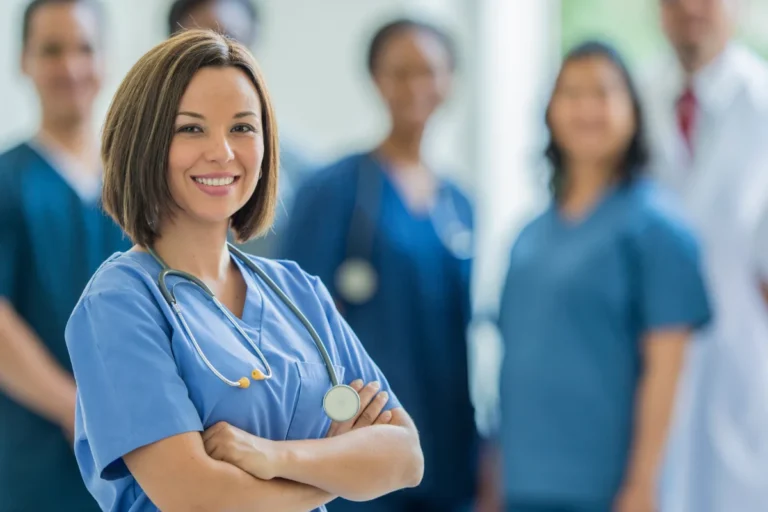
point(10, 236)
point(315, 236)
point(130, 392)
point(353, 356)
point(672, 291)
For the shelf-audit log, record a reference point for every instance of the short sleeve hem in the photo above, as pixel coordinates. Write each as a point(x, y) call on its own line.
point(110, 464)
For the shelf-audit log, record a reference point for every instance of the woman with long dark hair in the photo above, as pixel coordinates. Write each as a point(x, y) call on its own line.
point(602, 293)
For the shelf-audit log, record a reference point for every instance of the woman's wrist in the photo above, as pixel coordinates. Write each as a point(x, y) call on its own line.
point(267, 459)
point(283, 456)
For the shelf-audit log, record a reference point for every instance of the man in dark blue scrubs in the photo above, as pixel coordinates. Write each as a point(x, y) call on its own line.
point(53, 236)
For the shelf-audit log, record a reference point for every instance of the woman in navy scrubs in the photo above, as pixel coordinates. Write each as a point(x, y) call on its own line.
point(602, 293)
point(392, 242)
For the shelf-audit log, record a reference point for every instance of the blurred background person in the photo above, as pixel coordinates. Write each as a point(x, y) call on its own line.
point(602, 293)
point(393, 243)
point(53, 236)
point(242, 21)
point(709, 126)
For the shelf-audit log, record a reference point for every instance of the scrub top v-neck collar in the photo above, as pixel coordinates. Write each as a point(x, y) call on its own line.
point(253, 307)
point(565, 223)
point(418, 215)
point(86, 187)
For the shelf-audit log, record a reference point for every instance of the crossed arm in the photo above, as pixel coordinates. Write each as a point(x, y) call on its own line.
point(228, 469)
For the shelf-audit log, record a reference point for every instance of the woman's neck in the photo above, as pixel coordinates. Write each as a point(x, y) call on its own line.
point(73, 138)
point(200, 250)
point(402, 147)
point(585, 185)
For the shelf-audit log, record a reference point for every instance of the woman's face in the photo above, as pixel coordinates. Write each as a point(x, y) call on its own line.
point(413, 74)
point(591, 115)
point(218, 146)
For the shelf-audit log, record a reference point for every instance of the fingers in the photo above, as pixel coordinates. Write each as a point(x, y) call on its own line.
point(210, 444)
point(384, 418)
point(212, 431)
point(366, 397)
point(367, 394)
point(357, 385)
point(339, 428)
point(372, 412)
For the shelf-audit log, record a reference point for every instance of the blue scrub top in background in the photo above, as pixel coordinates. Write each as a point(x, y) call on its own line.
point(295, 168)
point(140, 379)
point(51, 242)
point(415, 325)
point(579, 297)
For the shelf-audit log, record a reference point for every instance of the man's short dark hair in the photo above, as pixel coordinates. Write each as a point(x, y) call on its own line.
point(181, 9)
point(36, 5)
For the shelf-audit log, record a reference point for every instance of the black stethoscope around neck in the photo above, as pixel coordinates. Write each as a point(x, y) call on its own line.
point(340, 403)
point(356, 279)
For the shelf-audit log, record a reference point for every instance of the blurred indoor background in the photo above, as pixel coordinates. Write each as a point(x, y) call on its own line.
point(490, 136)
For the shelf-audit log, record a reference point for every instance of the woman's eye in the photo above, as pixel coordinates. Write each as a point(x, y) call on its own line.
point(243, 128)
point(189, 129)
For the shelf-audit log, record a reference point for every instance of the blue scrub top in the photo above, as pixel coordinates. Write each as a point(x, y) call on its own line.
point(51, 243)
point(415, 325)
point(294, 170)
point(579, 298)
point(140, 379)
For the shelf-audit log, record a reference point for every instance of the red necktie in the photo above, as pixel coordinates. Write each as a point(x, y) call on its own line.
point(686, 116)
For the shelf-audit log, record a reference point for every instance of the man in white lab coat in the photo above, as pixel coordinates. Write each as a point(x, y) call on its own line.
point(708, 126)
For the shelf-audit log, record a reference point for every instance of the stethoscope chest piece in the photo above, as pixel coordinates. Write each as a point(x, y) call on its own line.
point(341, 403)
point(356, 280)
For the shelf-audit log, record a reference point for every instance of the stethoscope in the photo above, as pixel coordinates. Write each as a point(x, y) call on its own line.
point(356, 279)
point(340, 403)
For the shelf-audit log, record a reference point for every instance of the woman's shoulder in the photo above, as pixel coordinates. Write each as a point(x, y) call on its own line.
point(654, 203)
point(124, 273)
point(340, 170)
point(656, 213)
point(289, 276)
point(121, 295)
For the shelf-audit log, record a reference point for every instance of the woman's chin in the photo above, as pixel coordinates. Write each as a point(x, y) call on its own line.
point(208, 218)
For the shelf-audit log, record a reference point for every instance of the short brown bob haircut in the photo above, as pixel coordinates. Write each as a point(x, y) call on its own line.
point(140, 126)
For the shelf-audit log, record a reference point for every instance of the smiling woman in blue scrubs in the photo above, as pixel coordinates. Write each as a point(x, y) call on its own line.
point(209, 405)
point(392, 242)
point(602, 293)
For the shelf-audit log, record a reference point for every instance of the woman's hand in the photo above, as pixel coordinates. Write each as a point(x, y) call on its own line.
point(371, 404)
point(252, 454)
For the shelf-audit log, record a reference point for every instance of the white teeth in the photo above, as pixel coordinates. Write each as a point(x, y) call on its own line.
point(216, 182)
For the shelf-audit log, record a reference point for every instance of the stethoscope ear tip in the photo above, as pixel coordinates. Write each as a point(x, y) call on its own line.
point(244, 383)
point(257, 375)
